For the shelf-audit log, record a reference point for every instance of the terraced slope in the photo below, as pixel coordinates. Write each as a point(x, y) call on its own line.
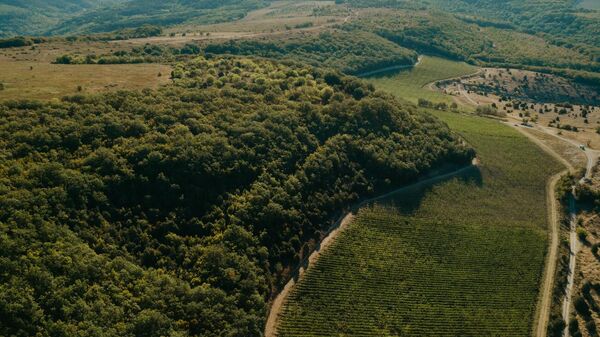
point(462, 258)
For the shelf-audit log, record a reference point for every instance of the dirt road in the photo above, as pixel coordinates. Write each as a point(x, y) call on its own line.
point(544, 306)
point(545, 298)
point(279, 301)
point(573, 248)
point(432, 85)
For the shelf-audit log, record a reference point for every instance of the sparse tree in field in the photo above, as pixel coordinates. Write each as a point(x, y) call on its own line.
point(424, 103)
point(441, 106)
point(1, 86)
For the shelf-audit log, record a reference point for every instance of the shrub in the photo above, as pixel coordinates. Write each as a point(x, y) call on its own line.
point(582, 233)
point(424, 103)
point(488, 110)
point(595, 248)
point(18, 41)
point(582, 307)
point(64, 59)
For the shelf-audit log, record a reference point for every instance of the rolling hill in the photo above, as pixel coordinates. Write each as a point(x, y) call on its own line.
point(34, 17)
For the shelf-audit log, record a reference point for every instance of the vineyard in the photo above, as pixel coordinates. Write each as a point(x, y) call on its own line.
point(410, 84)
point(461, 258)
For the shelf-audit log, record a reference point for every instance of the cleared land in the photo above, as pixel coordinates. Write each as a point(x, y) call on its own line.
point(461, 258)
point(40, 80)
point(535, 97)
point(411, 84)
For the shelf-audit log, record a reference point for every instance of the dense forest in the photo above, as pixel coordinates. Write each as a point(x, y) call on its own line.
point(351, 53)
point(179, 211)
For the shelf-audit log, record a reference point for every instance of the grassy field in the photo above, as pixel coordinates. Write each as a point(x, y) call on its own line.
point(41, 80)
point(461, 258)
point(410, 84)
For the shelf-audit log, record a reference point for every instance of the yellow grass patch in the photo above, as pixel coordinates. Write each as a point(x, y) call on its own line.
point(36, 80)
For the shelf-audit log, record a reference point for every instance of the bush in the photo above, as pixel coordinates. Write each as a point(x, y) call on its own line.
point(582, 233)
point(574, 327)
point(556, 327)
point(18, 41)
point(424, 103)
point(595, 249)
point(582, 307)
point(64, 59)
point(591, 328)
point(488, 110)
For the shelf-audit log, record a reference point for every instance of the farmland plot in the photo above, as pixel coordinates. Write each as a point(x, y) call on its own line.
point(461, 258)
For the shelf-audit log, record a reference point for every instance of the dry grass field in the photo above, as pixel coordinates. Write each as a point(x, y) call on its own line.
point(41, 80)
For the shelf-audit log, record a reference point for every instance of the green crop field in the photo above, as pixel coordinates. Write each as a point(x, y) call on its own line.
point(410, 84)
point(461, 258)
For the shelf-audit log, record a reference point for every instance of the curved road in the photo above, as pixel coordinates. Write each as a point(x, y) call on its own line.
point(545, 298)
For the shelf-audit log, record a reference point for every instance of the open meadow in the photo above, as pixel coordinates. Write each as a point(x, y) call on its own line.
point(461, 258)
point(40, 80)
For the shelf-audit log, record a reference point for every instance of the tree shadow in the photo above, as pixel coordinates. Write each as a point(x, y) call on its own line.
point(409, 199)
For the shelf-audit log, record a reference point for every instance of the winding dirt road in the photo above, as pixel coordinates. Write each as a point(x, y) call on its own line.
point(545, 298)
point(333, 232)
point(543, 312)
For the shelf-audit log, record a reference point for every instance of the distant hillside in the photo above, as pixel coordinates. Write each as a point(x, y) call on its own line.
point(32, 17)
point(560, 21)
point(63, 17)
